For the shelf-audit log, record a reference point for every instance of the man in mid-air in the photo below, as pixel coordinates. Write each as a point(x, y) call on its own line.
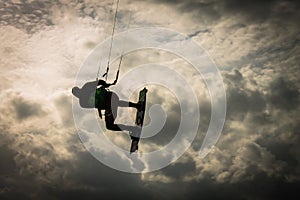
point(92, 96)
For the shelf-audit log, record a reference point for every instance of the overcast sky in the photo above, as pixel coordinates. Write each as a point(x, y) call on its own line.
point(255, 45)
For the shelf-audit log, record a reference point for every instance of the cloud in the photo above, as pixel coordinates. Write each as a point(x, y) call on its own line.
point(242, 100)
point(26, 15)
point(25, 109)
point(251, 147)
point(255, 11)
point(255, 44)
point(284, 94)
point(64, 106)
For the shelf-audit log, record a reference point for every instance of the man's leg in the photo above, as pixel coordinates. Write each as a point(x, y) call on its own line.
point(111, 114)
point(110, 124)
point(128, 104)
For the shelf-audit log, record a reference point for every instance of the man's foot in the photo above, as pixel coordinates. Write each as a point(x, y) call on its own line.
point(139, 105)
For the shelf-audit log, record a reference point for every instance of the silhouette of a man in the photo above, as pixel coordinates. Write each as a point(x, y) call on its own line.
point(91, 96)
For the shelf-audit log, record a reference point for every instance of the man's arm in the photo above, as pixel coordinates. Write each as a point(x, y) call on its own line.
point(100, 114)
point(102, 82)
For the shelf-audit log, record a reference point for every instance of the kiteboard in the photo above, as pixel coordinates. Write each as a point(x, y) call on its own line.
point(139, 120)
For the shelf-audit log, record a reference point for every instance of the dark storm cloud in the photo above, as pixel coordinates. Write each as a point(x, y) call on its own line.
point(12, 181)
point(260, 11)
point(93, 180)
point(205, 11)
point(31, 154)
point(25, 108)
point(259, 149)
point(25, 15)
point(284, 94)
point(179, 170)
point(265, 115)
point(266, 162)
point(281, 52)
point(252, 10)
point(241, 100)
point(83, 177)
point(53, 178)
point(9, 166)
point(35, 15)
point(260, 187)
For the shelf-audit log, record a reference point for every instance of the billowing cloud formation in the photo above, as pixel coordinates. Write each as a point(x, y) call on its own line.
point(254, 43)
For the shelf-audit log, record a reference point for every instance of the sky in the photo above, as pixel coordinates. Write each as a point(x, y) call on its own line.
point(253, 44)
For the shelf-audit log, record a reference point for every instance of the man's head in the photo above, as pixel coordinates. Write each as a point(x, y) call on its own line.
point(76, 91)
